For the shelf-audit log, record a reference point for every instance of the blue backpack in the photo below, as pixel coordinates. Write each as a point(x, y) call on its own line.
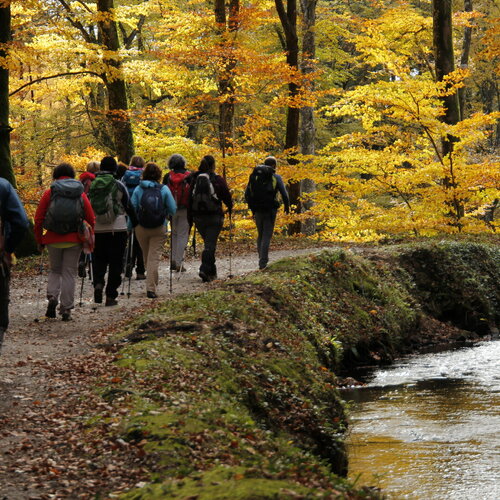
point(151, 211)
point(131, 179)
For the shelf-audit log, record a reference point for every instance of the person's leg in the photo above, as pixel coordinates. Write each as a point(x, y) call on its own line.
point(4, 300)
point(259, 224)
point(70, 258)
point(180, 234)
point(116, 251)
point(267, 229)
point(54, 279)
point(213, 227)
point(100, 263)
point(156, 241)
point(140, 268)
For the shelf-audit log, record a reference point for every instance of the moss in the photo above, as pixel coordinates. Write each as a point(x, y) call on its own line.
point(228, 391)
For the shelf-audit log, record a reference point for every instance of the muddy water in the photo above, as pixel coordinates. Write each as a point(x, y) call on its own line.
point(429, 427)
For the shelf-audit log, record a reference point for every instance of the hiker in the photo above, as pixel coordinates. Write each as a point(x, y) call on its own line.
point(153, 203)
point(86, 178)
point(61, 212)
point(261, 196)
point(13, 225)
point(178, 181)
point(131, 179)
point(208, 192)
point(110, 201)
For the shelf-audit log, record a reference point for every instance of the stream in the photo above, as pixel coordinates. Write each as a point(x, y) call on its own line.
point(428, 427)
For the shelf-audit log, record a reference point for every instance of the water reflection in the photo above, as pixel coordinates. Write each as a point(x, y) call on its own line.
point(429, 427)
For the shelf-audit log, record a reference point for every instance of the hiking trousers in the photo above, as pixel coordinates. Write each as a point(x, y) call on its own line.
point(209, 226)
point(62, 274)
point(108, 256)
point(265, 227)
point(180, 236)
point(152, 242)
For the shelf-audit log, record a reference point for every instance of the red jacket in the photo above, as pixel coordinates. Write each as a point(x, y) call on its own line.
point(51, 237)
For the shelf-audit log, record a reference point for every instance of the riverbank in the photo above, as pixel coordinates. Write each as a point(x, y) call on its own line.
point(231, 392)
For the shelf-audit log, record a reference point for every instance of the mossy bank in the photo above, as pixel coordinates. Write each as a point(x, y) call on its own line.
point(233, 392)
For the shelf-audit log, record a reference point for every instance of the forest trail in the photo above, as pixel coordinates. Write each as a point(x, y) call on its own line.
point(43, 368)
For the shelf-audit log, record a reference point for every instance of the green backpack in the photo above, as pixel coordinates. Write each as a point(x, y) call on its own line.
point(103, 196)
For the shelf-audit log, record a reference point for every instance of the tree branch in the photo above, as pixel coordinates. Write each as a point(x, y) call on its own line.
point(42, 78)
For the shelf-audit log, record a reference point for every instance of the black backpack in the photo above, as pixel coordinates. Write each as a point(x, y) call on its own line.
point(65, 213)
point(151, 212)
point(262, 189)
point(204, 199)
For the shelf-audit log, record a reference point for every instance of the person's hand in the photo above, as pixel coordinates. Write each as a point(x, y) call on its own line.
point(8, 259)
point(40, 247)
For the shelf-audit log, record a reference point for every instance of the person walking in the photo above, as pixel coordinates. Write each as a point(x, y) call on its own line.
point(13, 226)
point(61, 212)
point(131, 179)
point(111, 204)
point(153, 203)
point(178, 181)
point(261, 196)
point(208, 192)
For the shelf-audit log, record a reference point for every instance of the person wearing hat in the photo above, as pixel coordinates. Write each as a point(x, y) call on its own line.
point(110, 231)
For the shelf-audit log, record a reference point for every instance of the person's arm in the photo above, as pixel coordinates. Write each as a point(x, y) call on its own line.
point(224, 193)
point(284, 194)
point(89, 215)
point(168, 201)
point(16, 221)
point(40, 213)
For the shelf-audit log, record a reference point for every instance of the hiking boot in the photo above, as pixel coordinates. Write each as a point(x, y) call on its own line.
point(111, 302)
point(66, 316)
point(51, 308)
point(151, 295)
point(204, 277)
point(140, 276)
point(98, 293)
point(82, 272)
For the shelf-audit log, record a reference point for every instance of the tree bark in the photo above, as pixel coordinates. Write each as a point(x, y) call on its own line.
point(464, 60)
point(6, 170)
point(227, 25)
point(307, 123)
point(118, 110)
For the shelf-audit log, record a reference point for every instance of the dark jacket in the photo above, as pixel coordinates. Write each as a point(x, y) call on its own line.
point(280, 186)
point(221, 190)
point(13, 217)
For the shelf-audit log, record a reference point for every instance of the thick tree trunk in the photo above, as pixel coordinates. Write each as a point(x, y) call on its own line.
point(308, 128)
point(5, 156)
point(464, 60)
point(118, 111)
point(227, 25)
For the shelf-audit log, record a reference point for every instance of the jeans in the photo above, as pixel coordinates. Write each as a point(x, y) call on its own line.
point(108, 256)
point(209, 226)
point(265, 228)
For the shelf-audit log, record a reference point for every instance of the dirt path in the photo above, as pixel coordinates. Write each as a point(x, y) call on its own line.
point(42, 372)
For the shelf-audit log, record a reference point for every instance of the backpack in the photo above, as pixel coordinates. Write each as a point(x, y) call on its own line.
point(131, 179)
point(262, 189)
point(65, 212)
point(178, 184)
point(204, 199)
point(151, 212)
point(104, 199)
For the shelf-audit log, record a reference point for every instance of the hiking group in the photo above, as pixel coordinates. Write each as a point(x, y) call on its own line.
point(114, 219)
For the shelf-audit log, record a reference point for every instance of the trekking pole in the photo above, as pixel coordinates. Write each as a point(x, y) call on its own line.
point(171, 241)
point(127, 252)
point(39, 291)
point(130, 274)
point(230, 244)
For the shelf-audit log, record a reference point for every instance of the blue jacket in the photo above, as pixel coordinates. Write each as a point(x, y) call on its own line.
point(169, 204)
point(13, 216)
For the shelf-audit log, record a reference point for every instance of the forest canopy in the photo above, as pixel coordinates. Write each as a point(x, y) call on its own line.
point(351, 97)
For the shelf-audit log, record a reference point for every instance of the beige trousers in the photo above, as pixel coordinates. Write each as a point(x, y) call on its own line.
point(152, 242)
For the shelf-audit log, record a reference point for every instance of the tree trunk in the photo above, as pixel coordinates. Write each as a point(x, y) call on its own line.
point(464, 60)
point(6, 170)
point(308, 128)
point(225, 80)
point(118, 111)
point(443, 50)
